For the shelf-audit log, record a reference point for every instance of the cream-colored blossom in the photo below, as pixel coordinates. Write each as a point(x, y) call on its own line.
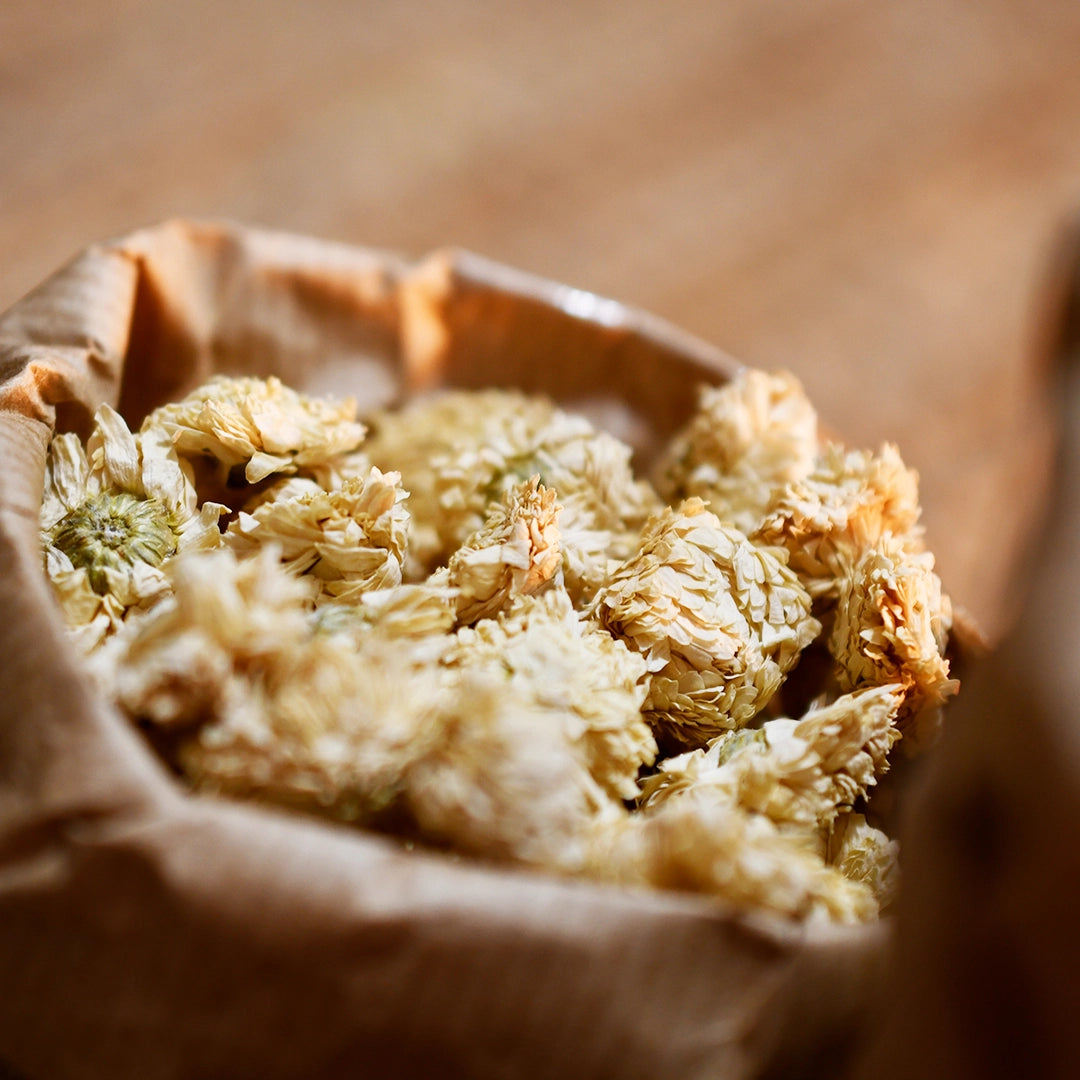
point(891, 626)
point(351, 540)
point(848, 503)
point(411, 439)
point(727, 853)
point(422, 615)
point(718, 620)
point(460, 452)
point(513, 554)
point(496, 778)
point(111, 515)
point(866, 855)
point(259, 424)
point(579, 680)
point(262, 702)
point(800, 773)
point(748, 438)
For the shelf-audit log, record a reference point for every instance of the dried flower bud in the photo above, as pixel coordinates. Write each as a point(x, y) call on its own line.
point(461, 452)
point(866, 855)
point(495, 777)
point(725, 852)
point(800, 773)
point(718, 620)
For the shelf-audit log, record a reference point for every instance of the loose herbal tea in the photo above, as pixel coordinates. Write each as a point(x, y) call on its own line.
point(468, 623)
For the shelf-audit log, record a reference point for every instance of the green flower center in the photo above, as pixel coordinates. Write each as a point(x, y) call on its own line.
point(114, 532)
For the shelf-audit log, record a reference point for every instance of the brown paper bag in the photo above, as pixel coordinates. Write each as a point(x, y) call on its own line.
point(148, 933)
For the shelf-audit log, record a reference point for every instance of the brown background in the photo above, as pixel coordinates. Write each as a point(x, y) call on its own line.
point(864, 192)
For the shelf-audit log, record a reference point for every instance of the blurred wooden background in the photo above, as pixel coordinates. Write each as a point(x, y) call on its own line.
point(864, 192)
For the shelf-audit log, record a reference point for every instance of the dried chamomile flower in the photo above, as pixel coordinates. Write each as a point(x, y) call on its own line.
point(514, 554)
point(718, 620)
point(891, 625)
point(850, 500)
point(351, 540)
point(748, 437)
point(865, 854)
point(111, 515)
point(259, 424)
point(603, 506)
point(722, 851)
point(576, 678)
point(801, 773)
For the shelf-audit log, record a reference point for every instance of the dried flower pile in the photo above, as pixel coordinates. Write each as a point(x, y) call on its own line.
point(469, 623)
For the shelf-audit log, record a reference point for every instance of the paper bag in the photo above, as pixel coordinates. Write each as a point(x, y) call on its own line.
point(149, 933)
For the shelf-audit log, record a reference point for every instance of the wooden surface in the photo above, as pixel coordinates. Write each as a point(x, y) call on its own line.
point(863, 192)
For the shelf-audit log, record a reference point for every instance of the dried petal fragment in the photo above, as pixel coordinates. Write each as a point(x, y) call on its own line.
point(748, 437)
point(576, 677)
point(718, 620)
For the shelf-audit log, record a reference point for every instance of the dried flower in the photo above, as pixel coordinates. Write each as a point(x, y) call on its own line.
point(718, 620)
point(514, 554)
point(461, 452)
point(496, 778)
point(260, 424)
point(575, 677)
point(748, 438)
point(891, 627)
point(801, 773)
point(848, 503)
point(725, 852)
point(111, 515)
point(351, 540)
point(866, 855)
